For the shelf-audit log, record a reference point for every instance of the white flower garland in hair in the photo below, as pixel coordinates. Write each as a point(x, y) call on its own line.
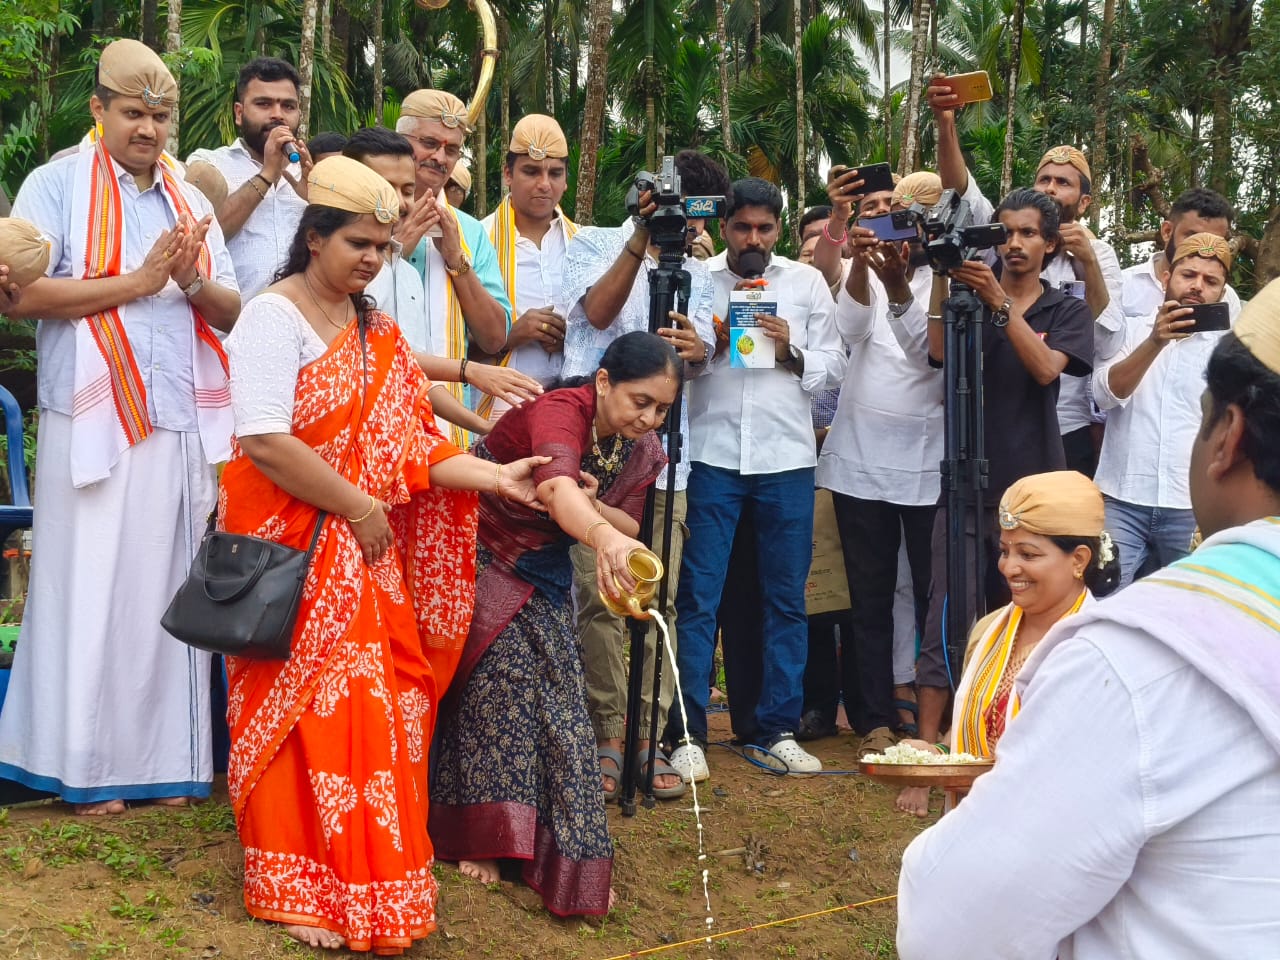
point(1106, 549)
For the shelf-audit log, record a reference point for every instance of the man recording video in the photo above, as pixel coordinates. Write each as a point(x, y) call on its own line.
point(1033, 334)
point(606, 286)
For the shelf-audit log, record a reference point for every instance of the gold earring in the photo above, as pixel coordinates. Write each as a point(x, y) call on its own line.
point(1079, 574)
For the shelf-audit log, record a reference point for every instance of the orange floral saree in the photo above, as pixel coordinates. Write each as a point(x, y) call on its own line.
point(328, 766)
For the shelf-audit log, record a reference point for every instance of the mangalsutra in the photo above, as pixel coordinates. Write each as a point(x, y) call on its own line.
point(615, 455)
point(323, 312)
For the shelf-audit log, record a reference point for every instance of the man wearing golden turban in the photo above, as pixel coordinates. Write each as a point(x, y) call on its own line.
point(458, 187)
point(1131, 811)
point(1152, 389)
point(104, 706)
point(1064, 176)
point(266, 187)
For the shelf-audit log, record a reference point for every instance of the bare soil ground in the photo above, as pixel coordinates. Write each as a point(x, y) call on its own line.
point(161, 883)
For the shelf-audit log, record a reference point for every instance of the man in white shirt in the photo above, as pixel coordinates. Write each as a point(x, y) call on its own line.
point(606, 287)
point(104, 706)
point(881, 457)
point(1152, 389)
point(267, 189)
point(530, 233)
point(1132, 808)
point(752, 445)
point(1064, 176)
point(1198, 210)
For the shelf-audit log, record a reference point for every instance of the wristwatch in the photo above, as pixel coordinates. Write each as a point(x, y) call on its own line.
point(463, 268)
point(1000, 316)
point(898, 309)
point(193, 288)
point(794, 357)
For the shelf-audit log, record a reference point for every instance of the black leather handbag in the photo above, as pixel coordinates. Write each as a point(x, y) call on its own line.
point(241, 597)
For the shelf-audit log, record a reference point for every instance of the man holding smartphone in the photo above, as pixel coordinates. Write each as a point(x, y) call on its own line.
point(1152, 390)
point(1064, 176)
point(606, 288)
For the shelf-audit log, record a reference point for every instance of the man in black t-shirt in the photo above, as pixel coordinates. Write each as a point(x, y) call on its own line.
point(1033, 335)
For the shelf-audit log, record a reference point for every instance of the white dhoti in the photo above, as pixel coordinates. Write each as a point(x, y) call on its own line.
point(103, 704)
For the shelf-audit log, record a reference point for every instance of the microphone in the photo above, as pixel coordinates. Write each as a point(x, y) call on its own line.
point(751, 265)
point(293, 154)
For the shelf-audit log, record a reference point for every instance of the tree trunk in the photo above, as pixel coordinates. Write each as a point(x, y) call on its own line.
point(1011, 94)
point(756, 35)
point(650, 117)
point(1084, 25)
point(798, 204)
point(888, 119)
point(593, 110)
point(172, 44)
point(379, 42)
point(575, 58)
point(548, 56)
point(341, 40)
point(921, 15)
point(326, 27)
point(151, 25)
point(1101, 99)
point(722, 37)
point(306, 63)
point(1230, 27)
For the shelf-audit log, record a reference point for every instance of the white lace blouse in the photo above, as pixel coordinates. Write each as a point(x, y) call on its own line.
point(269, 344)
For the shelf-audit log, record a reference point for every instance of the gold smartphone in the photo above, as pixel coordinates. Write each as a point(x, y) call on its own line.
point(970, 87)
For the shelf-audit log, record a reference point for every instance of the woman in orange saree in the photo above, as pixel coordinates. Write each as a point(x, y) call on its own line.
point(328, 767)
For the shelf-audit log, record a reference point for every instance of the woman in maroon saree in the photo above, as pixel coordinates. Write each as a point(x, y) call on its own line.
point(515, 775)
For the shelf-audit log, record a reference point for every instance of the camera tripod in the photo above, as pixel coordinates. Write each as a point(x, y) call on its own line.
point(669, 289)
point(964, 468)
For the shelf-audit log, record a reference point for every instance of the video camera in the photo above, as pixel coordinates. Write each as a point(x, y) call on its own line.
point(947, 233)
point(669, 224)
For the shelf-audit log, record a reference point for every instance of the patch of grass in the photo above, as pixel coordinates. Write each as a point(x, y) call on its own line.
point(70, 842)
point(148, 911)
point(682, 880)
point(209, 818)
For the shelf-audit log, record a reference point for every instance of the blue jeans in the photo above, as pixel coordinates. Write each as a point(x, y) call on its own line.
point(783, 507)
point(1150, 537)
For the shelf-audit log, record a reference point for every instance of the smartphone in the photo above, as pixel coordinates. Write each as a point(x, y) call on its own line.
point(970, 87)
point(1073, 288)
point(890, 228)
point(1210, 317)
point(875, 177)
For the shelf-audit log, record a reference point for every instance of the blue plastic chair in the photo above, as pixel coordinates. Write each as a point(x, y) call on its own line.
point(19, 514)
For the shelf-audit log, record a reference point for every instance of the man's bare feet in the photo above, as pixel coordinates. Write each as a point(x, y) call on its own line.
point(486, 871)
point(315, 937)
point(175, 801)
point(105, 808)
point(914, 800)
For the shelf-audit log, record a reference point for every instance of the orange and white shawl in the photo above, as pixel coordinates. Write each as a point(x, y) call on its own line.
point(980, 683)
point(504, 235)
point(109, 406)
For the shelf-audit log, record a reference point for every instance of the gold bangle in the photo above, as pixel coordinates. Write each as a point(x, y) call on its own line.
point(586, 537)
point(373, 505)
point(497, 479)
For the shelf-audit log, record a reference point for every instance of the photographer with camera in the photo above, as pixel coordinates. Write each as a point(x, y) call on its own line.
point(753, 447)
point(1152, 392)
point(607, 289)
point(1033, 333)
point(1064, 176)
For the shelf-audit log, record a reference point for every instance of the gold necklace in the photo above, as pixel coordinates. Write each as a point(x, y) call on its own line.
point(615, 454)
point(323, 312)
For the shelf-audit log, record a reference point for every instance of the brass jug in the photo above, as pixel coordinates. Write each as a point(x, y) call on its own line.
point(646, 569)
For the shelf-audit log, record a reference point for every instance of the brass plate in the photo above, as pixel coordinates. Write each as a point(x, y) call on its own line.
point(947, 776)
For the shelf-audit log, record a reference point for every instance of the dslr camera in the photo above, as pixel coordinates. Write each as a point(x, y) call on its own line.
point(668, 226)
point(947, 232)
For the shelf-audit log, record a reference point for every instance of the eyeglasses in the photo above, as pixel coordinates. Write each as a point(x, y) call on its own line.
point(430, 144)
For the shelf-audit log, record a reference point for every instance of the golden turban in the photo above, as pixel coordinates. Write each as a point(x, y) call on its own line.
point(346, 184)
point(1208, 245)
point(209, 180)
point(461, 176)
point(133, 69)
point(1259, 326)
point(438, 105)
point(540, 137)
point(920, 187)
point(1063, 503)
point(1069, 156)
point(23, 250)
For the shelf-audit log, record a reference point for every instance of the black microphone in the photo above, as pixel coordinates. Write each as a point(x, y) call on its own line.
point(751, 264)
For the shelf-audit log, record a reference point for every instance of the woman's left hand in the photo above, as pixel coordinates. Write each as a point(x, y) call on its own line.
point(591, 487)
point(515, 481)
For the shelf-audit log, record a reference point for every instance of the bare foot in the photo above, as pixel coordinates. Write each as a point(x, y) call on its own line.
point(175, 801)
point(914, 800)
point(315, 937)
point(486, 871)
point(102, 809)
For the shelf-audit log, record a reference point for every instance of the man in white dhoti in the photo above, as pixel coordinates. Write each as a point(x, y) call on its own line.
point(1132, 808)
point(104, 706)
